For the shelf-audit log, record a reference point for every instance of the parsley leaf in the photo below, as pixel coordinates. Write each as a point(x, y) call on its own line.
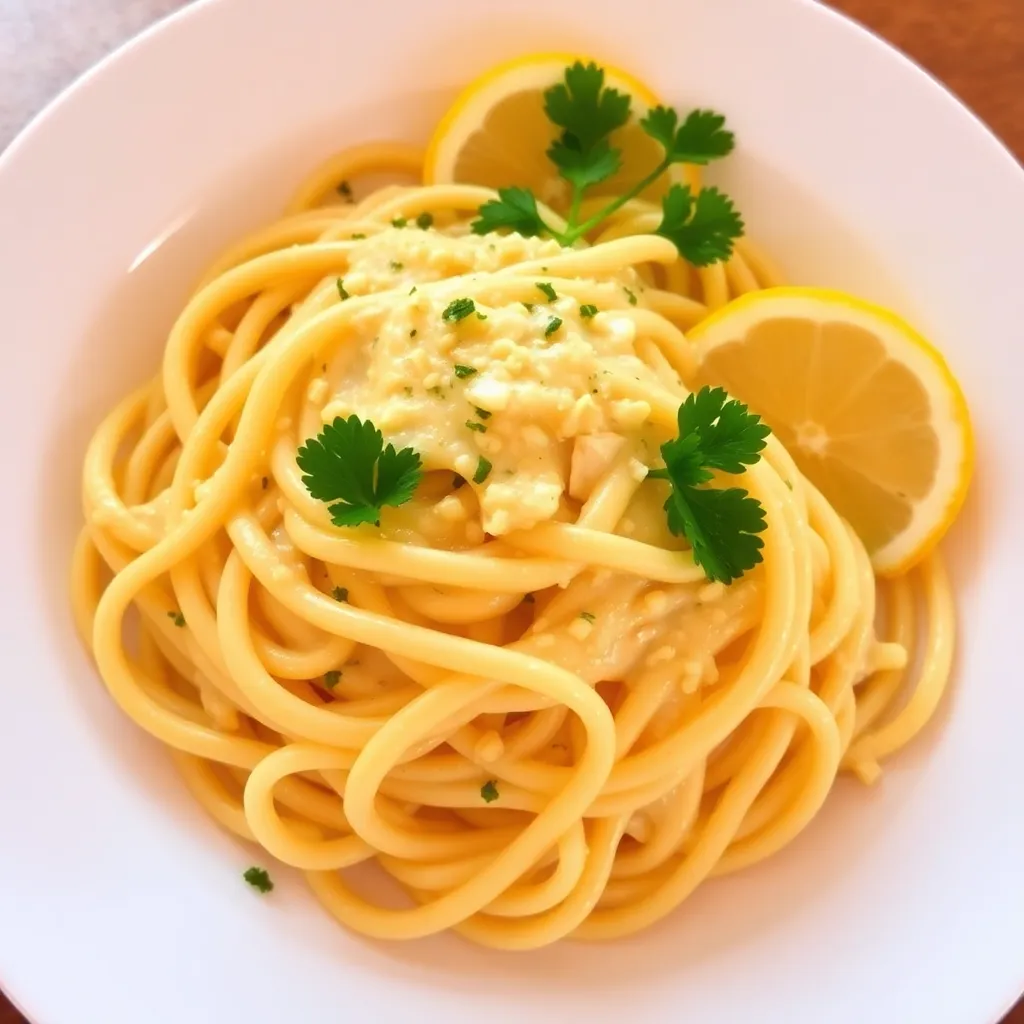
point(462, 371)
point(702, 229)
point(584, 108)
point(580, 168)
point(258, 879)
point(548, 289)
point(728, 436)
point(587, 114)
point(347, 464)
point(483, 469)
point(553, 324)
point(458, 309)
point(722, 525)
point(489, 791)
point(514, 209)
point(701, 138)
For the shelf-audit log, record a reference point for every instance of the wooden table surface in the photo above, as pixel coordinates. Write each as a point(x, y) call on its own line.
point(975, 46)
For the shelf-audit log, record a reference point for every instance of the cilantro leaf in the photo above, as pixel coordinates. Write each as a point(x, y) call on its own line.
point(722, 525)
point(701, 138)
point(514, 209)
point(258, 879)
point(702, 229)
point(584, 108)
point(583, 168)
point(347, 464)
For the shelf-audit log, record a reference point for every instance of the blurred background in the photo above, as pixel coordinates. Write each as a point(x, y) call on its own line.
point(976, 47)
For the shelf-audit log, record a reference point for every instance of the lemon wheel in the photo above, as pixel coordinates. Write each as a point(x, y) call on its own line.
point(496, 133)
point(866, 406)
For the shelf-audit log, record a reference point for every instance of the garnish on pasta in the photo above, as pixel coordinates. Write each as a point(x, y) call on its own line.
point(702, 227)
point(721, 524)
point(348, 466)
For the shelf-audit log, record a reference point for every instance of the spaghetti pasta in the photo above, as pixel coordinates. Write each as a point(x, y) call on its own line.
point(521, 699)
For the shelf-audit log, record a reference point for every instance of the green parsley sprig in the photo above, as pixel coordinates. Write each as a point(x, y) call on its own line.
point(348, 466)
point(702, 227)
point(722, 524)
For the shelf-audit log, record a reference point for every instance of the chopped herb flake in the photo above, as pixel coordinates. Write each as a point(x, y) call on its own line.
point(548, 290)
point(332, 678)
point(553, 324)
point(587, 616)
point(258, 879)
point(424, 220)
point(177, 618)
point(396, 266)
point(630, 294)
point(464, 371)
point(340, 593)
point(588, 311)
point(458, 309)
point(399, 222)
point(482, 413)
point(489, 791)
point(483, 469)
point(478, 427)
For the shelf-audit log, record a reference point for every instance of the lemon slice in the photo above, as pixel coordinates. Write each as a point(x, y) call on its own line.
point(868, 409)
point(497, 134)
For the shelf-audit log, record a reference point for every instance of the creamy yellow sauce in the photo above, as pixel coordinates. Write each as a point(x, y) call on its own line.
point(532, 401)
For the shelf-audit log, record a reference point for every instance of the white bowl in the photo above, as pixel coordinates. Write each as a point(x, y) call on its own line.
point(119, 901)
